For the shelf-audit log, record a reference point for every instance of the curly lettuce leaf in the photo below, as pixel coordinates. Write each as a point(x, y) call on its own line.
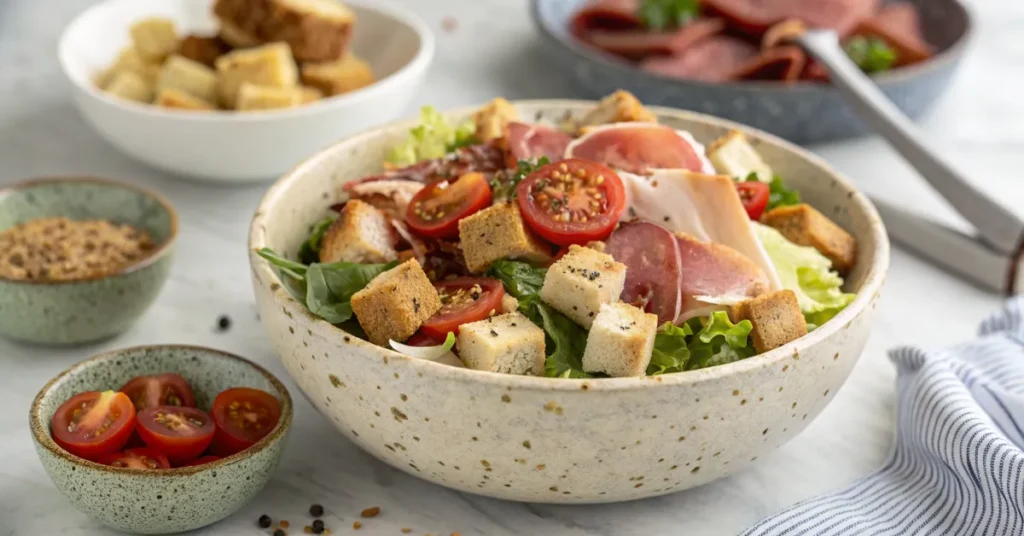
point(433, 137)
point(806, 272)
point(670, 349)
point(700, 344)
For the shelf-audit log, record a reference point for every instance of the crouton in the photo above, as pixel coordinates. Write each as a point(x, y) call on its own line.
point(189, 76)
point(154, 38)
point(316, 30)
point(203, 49)
point(619, 107)
point(581, 281)
point(176, 98)
point(334, 78)
point(129, 61)
point(235, 36)
point(361, 233)
point(268, 65)
point(621, 341)
point(395, 303)
point(498, 232)
point(130, 86)
point(310, 94)
point(253, 97)
point(776, 317)
point(733, 156)
point(803, 225)
point(492, 118)
point(507, 343)
point(509, 304)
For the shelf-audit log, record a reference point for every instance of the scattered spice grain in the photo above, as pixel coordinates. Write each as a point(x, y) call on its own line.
point(356, 525)
point(264, 521)
point(370, 512)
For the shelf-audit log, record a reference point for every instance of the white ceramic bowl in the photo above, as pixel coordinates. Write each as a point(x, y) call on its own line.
point(237, 147)
point(558, 440)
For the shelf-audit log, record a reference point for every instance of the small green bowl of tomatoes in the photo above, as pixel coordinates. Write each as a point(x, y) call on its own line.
point(161, 439)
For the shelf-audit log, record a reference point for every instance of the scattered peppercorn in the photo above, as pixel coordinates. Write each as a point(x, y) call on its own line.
point(318, 526)
point(356, 525)
point(223, 323)
point(283, 523)
point(280, 532)
point(370, 512)
point(264, 521)
point(316, 510)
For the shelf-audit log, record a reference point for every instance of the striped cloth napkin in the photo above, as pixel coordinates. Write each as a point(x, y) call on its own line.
point(958, 465)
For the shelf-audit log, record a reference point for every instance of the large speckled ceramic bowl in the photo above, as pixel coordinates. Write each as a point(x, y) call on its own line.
point(81, 311)
point(160, 501)
point(802, 113)
point(560, 440)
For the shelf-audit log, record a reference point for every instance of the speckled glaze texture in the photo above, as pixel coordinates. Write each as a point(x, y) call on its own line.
point(801, 113)
point(169, 501)
point(557, 440)
point(84, 311)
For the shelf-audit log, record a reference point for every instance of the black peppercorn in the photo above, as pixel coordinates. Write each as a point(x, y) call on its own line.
point(318, 526)
point(280, 532)
point(223, 323)
point(264, 521)
point(316, 510)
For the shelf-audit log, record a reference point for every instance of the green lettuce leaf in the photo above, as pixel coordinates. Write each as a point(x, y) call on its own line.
point(700, 344)
point(871, 54)
point(806, 272)
point(663, 15)
point(670, 349)
point(433, 137)
point(522, 280)
point(309, 252)
point(778, 194)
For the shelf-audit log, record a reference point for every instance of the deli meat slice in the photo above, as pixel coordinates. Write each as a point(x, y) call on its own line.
point(639, 44)
point(899, 25)
point(525, 142)
point(606, 15)
point(715, 276)
point(639, 148)
point(714, 59)
point(756, 16)
point(784, 63)
point(653, 276)
point(485, 158)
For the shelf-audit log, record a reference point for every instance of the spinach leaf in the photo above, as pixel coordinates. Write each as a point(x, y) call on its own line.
point(871, 54)
point(309, 252)
point(663, 15)
point(522, 280)
point(296, 270)
point(329, 287)
point(504, 184)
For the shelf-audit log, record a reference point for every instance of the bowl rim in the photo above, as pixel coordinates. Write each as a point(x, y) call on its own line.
point(403, 76)
point(165, 246)
point(941, 60)
point(40, 430)
point(874, 277)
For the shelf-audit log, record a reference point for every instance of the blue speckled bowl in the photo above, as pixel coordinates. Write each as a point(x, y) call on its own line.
point(147, 501)
point(802, 113)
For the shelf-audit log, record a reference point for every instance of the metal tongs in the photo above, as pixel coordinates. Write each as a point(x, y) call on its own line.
point(991, 257)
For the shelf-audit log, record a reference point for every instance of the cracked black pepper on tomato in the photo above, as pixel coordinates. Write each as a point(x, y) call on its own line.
point(572, 202)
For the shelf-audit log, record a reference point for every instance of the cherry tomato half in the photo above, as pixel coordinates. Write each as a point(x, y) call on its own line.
point(754, 195)
point(159, 390)
point(572, 202)
point(182, 434)
point(420, 339)
point(435, 210)
point(243, 416)
point(93, 423)
point(142, 458)
point(463, 300)
point(201, 461)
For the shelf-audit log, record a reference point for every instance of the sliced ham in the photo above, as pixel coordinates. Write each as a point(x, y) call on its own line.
point(653, 275)
point(393, 195)
point(639, 44)
point(525, 142)
point(714, 59)
point(484, 158)
point(705, 207)
point(606, 15)
point(784, 63)
point(899, 25)
point(756, 16)
point(639, 147)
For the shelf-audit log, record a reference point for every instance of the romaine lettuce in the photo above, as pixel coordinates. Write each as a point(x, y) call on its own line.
point(433, 137)
point(700, 344)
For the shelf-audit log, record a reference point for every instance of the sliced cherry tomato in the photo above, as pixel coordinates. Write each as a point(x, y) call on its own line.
point(182, 434)
point(572, 202)
point(754, 195)
point(435, 210)
point(243, 416)
point(159, 390)
point(93, 423)
point(463, 300)
point(141, 458)
point(420, 339)
point(201, 460)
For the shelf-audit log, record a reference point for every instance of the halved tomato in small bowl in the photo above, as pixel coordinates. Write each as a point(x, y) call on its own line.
point(182, 434)
point(242, 417)
point(93, 423)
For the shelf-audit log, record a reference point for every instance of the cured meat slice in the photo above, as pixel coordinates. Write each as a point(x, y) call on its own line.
point(653, 276)
point(391, 196)
point(899, 25)
point(639, 44)
point(715, 276)
point(784, 63)
point(815, 71)
point(485, 158)
point(714, 59)
point(526, 142)
point(756, 16)
point(606, 15)
point(638, 148)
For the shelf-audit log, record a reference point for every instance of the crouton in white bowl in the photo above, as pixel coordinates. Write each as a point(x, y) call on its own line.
point(162, 114)
point(560, 440)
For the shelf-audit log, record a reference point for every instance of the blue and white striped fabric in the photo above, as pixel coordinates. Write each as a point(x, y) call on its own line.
point(958, 464)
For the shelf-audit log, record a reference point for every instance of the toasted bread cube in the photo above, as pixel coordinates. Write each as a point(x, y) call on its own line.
point(803, 225)
point(509, 304)
point(310, 94)
point(733, 156)
point(361, 234)
point(498, 232)
point(581, 281)
point(621, 341)
point(334, 78)
point(235, 36)
point(508, 343)
point(316, 30)
point(253, 97)
point(129, 61)
point(189, 76)
point(396, 303)
point(776, 317)
point(268, 65)
point(176, 98)
point(155, 38)
point(130, 86)
point(203, 49)
point(619, 107)
point(492, 119)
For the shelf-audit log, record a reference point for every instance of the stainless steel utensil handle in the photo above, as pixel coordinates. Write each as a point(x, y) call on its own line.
point(996, 225)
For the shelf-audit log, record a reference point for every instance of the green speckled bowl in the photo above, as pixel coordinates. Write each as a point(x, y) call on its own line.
point(160, 501)
point(76, 312)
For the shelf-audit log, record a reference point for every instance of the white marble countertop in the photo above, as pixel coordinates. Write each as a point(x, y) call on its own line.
point(491, 51)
